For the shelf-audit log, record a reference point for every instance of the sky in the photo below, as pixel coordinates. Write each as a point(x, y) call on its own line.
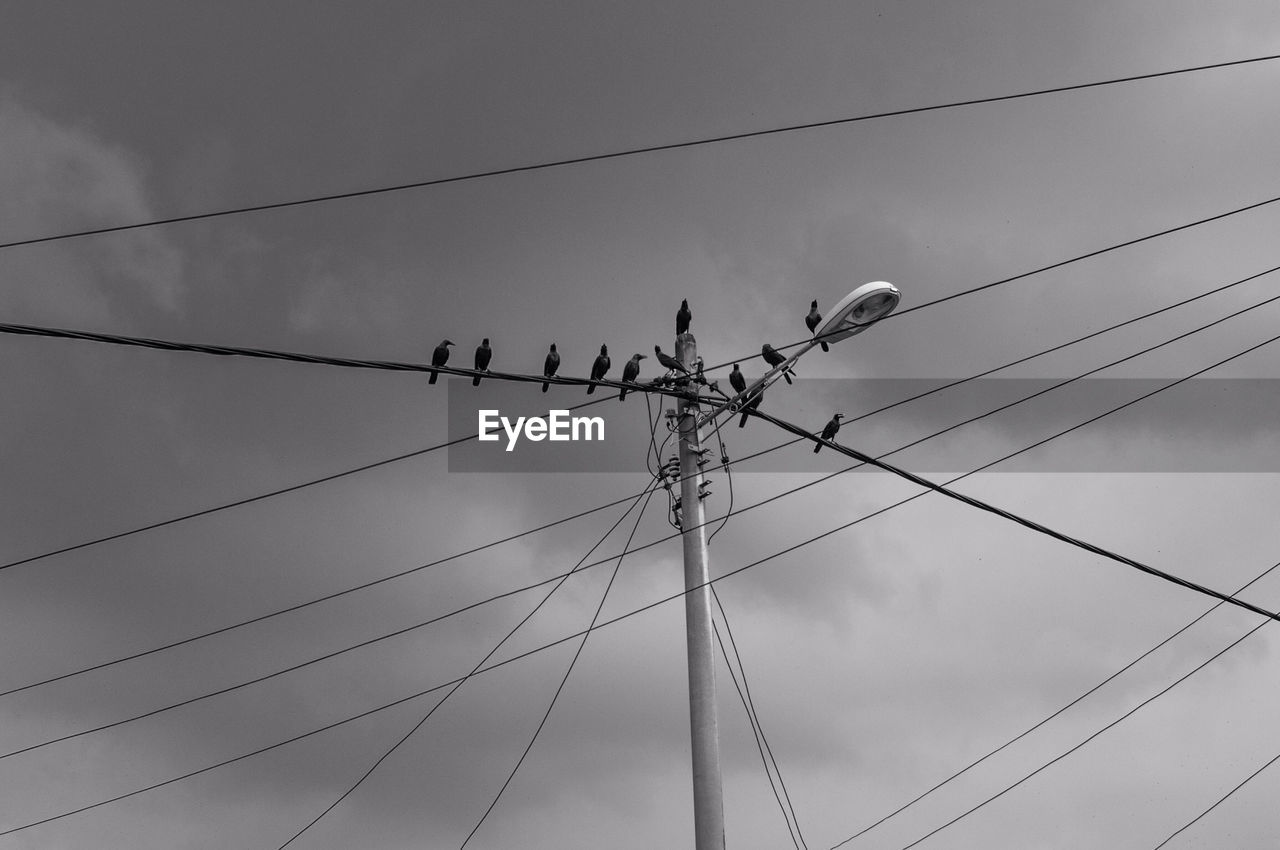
point(882, 658)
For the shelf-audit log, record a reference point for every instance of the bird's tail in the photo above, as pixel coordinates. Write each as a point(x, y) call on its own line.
point(825, 347)
point(591, 388)
point(622, 396)
point(475, 382)
point(817, 447)
point(742, 423)
point(544, 387)
point(432, 379)
point(787, 376)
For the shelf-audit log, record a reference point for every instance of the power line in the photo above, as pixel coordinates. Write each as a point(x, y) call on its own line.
point(1222, 799)
point(1057, 265)
point(643, 608)
point(364, 586)
point(644, 494)
point(569, 671)
point(1087, 256)
point(559, 578)
point(654, 386)
point(1091, 737)
point(258, 498)
point(1072, 703)
point(1035, 526)
point(725, 519)
point(755, 737)
point(634, 151)
point(729, 513)
point(1067, 344)
point(757, 728)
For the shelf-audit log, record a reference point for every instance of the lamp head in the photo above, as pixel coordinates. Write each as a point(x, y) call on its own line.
point(858, 310)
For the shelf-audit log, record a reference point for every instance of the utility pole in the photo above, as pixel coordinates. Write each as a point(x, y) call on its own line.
point(708, 797)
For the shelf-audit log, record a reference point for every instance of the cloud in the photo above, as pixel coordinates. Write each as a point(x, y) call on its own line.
point(57, 178)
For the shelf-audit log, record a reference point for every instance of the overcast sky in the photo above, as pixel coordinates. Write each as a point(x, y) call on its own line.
point(882, 658)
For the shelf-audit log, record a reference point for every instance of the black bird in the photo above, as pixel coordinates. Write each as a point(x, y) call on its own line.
point(550, 365)
point(599, 367)
point(439, 357)
point(630, 372)
point(811, 322)
point(671, 363)
point(773, 358)
point(483, 355)
point(683, 317)
point(737, 380)
point(751, 405)
point(829, 430)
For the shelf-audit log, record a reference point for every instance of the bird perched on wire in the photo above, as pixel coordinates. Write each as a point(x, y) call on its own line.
point(683, 317)
point(773, 358)
point(599, 367)
point(439, 357)
point(829, 431)
point(550, 365)
point(672, 364)
point(630, 371)
point(754, 404)
point(737, 380)
point(811, 321)
point(483, 355)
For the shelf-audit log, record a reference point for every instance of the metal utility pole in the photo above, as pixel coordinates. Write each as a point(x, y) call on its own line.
point(708, 797)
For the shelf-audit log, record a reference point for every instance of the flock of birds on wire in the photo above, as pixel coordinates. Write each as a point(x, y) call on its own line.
point(631, 370)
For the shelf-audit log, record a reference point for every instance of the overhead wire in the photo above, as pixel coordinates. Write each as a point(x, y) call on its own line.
point(645, 494)
point(627, 152)
point(755, 736)
point(656, 385)
point(595, 617)
point(634, 612)
point(1092, 736)
point(1018, 362)
point(1114, 675)
point(726, 466)
point(728, 474)
point(1220, 800)
point(354, 589)
point(757, 728)
point(1031, 524)
point(558, 578)
point(258, 498)
point(1061, 263)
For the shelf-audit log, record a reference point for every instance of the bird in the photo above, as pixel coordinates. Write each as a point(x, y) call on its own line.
point(483, 355)
point(811, 322)
point(683, 317)
point(630, 372)
point(439, 357)
point(599, 367)
point(829, 431)
point(748, 407)
point(550, 365)
point(670, 362)
point(737, 380)
point(773, 358)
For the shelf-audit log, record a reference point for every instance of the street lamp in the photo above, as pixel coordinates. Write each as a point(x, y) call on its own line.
point(852, 315)
point(858, 311)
